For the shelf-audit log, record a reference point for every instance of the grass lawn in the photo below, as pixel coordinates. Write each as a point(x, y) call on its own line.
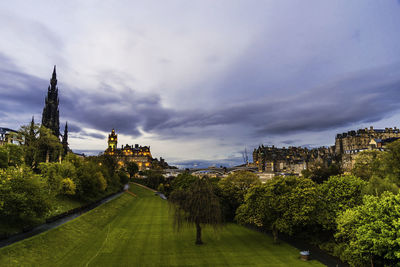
point(137, 231)
point(61, 204)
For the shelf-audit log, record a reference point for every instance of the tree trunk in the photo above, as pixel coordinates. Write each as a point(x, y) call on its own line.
point(372, 261)
point(275, 235)
point(198, 234)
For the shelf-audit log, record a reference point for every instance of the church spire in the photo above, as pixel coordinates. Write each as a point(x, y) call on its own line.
point(50, 115)
point(54, 77)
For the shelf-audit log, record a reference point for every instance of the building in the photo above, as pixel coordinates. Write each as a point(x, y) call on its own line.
point(141, 155)
point(7, 136)
point(347, 145)
point(291, 160)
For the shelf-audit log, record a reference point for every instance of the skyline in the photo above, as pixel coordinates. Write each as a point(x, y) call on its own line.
point(202, 81)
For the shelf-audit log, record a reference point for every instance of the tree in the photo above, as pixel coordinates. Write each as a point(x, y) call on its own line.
point(281, 204)
point(337, 194)
point(68, 186)
point(16, 155)
point(91, 182)
point(378, 185)
point(132, 168)
point(23, 195)
point(183, 181)
point(380, 168)
point(48, 146)
point(3, 158)
point(51, 172)
point(196, 205)
point(40, 145)
point(369, 163)
point(233, 188)
point(369, 233)
point(319, 172)
point(28, 136)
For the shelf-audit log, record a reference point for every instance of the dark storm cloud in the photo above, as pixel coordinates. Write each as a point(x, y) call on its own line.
point(18, 91)
point(367, 96)
point(106, 109)
point(21, 93)
point(362, 97)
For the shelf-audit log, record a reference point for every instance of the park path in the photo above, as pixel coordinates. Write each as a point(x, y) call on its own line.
point(51, 225)
point(138, 232)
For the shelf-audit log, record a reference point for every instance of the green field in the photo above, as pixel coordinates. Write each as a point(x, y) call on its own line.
point(137, 231)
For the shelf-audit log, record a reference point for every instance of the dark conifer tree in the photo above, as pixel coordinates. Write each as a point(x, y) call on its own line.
point(65, 140)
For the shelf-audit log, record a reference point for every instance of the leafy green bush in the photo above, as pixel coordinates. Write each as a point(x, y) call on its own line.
point(23, 195)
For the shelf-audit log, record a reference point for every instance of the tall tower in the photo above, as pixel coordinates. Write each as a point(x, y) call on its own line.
point(50, 115)
point(112, 142)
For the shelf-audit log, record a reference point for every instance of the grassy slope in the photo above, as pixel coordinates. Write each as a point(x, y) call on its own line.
point(137, 231)
point(61, 204)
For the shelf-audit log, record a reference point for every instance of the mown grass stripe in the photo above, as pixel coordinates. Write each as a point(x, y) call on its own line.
point(137, 231)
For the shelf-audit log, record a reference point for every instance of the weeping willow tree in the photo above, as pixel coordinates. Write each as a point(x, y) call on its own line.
point(196, 205)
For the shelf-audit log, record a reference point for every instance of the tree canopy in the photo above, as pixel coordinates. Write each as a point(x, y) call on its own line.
point(369, 233)
point(198, 205)
point(280, 205)
point(337, 194)
point(233, 189)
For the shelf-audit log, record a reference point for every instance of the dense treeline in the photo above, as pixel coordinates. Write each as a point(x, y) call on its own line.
point(354, 216)
point(34, 179)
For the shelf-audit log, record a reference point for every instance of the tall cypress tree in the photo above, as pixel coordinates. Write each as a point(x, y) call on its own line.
point(65, 140)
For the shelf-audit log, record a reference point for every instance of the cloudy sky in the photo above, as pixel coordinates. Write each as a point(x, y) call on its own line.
point(199, 81)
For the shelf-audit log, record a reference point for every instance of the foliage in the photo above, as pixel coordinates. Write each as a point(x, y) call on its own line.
point(74, 160)
point(196, 205)
point(132, 168)
point(369, 163)
point(48, 146)
point(378, 185)
point(320, 172)
point(369, 233)
point(15, 155)
point(23, 195)
point(91, 181)
point(183, 181)
point(68, 186)
point(160, 188)
point(128, 223)
point(39, 144)
point(233, 188)
point(381, 169)
point(337, 194)
point(28, 136)
point(392, 160)
point(152, 179)
point(52, 173)
point(123, 178)
point(3, 158)
point(281, 204)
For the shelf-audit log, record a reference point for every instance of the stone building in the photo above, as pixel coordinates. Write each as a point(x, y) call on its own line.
point(290, 160)
point(141, 155)
point(347, 145)
point(354, 141)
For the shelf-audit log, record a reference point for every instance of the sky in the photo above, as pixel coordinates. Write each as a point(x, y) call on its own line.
point(201, 81)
